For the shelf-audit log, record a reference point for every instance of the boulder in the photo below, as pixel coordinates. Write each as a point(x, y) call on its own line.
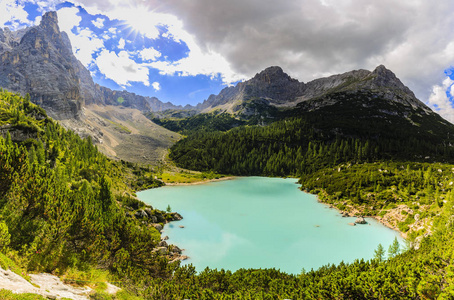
point(160, 218)
point(360, 220)
point(161, 250)
point(176, 216)
point(140, 214)
point(149, 211)
point(162, 244)
point(175, 249)
point(153, 219)
point(158, 227)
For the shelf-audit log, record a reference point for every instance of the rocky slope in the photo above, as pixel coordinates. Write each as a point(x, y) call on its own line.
point(273, 87)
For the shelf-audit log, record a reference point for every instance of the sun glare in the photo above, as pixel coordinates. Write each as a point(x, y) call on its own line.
point(142, 21)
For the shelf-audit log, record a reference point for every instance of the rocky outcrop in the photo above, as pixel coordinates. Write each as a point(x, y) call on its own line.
point(360, 220)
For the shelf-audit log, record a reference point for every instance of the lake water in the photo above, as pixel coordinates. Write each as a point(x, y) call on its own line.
point(258, 222)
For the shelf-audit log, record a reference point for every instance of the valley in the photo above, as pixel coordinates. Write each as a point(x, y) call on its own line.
point(74, 154)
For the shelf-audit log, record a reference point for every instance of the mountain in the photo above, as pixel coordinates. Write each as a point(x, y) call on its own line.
point(358, 116)
point(275, 88)
point(39, 61)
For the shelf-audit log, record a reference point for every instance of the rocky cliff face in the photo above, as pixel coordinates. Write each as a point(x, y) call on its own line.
point(275, 88)
point(37, 61)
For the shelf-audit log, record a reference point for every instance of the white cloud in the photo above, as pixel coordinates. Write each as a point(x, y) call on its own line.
point(146, 20)
point(12, 11)
point(68, 19)
point(121, 44)
point(121, 68)
point(149, 54)
point(85, 42)
point(307, 38)
point(439, 99)
point(99, 22)
point(156, 86)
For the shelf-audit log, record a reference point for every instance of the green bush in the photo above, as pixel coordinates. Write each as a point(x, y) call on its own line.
point(5, 237)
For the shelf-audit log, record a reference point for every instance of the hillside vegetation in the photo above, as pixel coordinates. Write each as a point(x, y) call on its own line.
point(356, 129)
point(63, 205)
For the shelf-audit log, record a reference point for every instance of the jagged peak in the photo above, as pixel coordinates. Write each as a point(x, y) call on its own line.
point(49, 21)
point(381, 70)
point(272, 73)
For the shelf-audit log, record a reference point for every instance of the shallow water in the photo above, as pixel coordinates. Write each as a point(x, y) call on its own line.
point(259, 222)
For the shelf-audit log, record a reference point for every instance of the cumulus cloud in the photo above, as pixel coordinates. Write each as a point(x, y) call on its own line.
point(84, 41)
point(156, 86)
point(99, 22)
point(14, 12)
point(145, 18)
point(441, 99)
point(149, 54)
point(121, 43)
point(121, 68)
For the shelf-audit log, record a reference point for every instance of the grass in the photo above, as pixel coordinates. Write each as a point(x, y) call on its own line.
point(94, 278)
point(119, 127)
point(8, 295)
point(187, 177)
point(7, 263)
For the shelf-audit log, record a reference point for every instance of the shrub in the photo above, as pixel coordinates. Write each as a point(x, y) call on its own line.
point(5, 237)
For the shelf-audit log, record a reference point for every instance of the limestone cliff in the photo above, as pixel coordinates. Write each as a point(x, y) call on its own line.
point(37, 61)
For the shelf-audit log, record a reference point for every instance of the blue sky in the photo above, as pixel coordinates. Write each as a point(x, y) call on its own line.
point(184, 50)
point(121, 55)
point(146, 58)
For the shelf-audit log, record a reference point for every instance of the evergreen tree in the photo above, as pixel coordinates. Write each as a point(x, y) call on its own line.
point(379, 253)
point(394, 248)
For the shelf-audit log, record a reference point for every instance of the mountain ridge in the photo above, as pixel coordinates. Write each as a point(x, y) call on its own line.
point(39, 61)
point(274, 87)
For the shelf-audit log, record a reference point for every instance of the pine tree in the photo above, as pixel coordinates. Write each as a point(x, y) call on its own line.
point(379, 253)
point(394, 248)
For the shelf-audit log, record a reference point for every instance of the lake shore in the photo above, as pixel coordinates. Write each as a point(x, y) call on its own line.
point(354, 212)
point(202, 181)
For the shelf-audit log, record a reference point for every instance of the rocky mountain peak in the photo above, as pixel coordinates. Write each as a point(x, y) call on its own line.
point(274, 87)
point(272, 74)
point(49, 22)
point(384, 77)
point(38, 61)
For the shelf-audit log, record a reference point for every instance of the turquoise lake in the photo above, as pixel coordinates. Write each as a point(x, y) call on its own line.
point(259, 222)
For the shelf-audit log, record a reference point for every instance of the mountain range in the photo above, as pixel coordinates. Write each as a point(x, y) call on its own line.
point(39, 61)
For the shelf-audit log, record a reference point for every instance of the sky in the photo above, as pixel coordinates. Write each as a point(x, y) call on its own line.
point(184, 50)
